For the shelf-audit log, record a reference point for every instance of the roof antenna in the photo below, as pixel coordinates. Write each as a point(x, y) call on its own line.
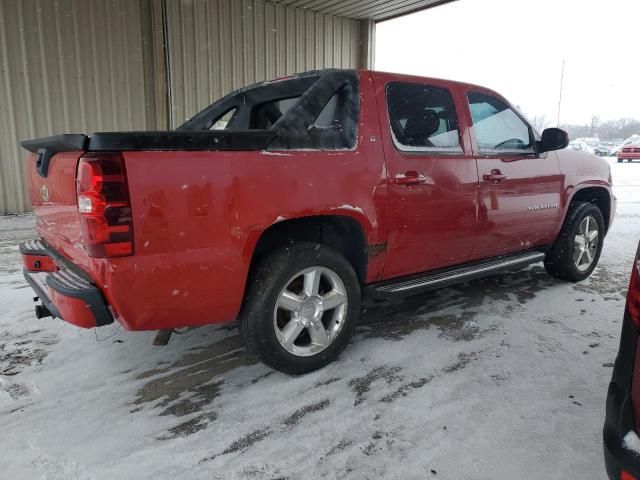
point(560, 97)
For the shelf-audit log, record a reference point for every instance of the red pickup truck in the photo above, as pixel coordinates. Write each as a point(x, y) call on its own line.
point(284, 203)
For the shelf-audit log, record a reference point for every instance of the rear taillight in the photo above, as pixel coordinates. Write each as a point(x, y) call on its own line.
point(633, 297)
point(104, 205)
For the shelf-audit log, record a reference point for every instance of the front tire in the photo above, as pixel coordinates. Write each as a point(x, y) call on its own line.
point(576, 252)
point(301, 308)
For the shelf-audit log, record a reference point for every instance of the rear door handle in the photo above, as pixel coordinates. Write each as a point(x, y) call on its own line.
point(409, 178)
point(495, 176)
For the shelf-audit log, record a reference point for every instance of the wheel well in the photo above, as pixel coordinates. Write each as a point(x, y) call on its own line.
point(598, 196)
point(339, 232)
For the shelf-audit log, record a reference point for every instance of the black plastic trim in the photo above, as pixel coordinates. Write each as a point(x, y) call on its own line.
point(247, 98)
point(384, 289)
point(47, 147)
point(43, 157)
point(84, 290)
point(62, 261)
point(44, 298)
point(32, 247)
point(296, 128)
point(245, 140)
point(91, 296)
point(67, 142)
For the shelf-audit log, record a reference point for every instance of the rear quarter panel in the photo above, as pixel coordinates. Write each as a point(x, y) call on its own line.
point(198, 215)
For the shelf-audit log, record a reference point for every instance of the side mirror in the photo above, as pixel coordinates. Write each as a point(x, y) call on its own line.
point(553, 139)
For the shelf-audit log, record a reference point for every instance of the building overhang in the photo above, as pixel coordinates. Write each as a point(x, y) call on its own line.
point(376, 10)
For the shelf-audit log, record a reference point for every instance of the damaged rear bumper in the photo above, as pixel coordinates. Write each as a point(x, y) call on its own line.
point(65, 291)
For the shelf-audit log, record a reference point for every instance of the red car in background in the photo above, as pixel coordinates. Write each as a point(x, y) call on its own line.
point(629, 153)
point(622, 424)
point(282, 203)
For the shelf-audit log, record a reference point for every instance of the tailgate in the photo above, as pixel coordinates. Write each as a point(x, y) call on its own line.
point(51, 176)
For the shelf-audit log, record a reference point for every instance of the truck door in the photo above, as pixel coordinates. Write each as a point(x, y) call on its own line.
point(432, 176)
point(519, 194)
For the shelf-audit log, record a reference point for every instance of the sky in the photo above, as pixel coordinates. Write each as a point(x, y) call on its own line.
point(516, 47)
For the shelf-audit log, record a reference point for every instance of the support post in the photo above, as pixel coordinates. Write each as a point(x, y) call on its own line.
point(155, 64)
point(367, 47)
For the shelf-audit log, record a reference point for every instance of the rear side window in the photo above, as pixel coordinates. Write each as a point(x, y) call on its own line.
point(222, 122)
point(423, 118)
point(330, 115)
point(497, 127)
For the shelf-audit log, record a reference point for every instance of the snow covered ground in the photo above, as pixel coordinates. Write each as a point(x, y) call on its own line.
point(497, 379)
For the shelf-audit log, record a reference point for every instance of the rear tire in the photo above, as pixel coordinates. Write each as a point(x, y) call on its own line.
point(576, 252)
point(301, 308)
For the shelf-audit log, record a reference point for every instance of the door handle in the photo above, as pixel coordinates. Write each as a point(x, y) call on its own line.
point(495, 176)
point(409, 178)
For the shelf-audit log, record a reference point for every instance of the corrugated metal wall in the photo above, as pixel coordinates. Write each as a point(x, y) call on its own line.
point(91, 65)
point(220, 45)
point(66, 66)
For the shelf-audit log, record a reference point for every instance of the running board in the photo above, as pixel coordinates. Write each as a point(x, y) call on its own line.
point(451, 276)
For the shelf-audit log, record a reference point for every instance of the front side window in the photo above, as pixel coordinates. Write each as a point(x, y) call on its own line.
point(423, 118)
point(497, 127)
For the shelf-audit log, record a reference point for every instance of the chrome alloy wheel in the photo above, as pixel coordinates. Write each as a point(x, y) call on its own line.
point(585, 243)
point(310, 311)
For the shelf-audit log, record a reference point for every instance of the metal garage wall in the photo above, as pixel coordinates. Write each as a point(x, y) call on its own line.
point(216, 46)
point(69, 66)
point(91, 65)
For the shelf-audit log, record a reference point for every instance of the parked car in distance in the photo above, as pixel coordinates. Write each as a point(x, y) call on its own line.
point(622, 423)
point(629, 153)
point(631, 142)
point(581, 147)
point(601, 150)
point(283, 203)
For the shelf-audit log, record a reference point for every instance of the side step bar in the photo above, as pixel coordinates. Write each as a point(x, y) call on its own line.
point(451, 276)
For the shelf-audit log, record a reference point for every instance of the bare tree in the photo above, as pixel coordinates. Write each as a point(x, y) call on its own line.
point(608, 130)
point(540, 122)
point(595, 124)
point(576, 131)
point(628, 127)
point(618, 129)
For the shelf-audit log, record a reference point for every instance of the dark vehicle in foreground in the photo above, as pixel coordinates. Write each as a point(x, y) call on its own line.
point(622, 424)
point(284, 203)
